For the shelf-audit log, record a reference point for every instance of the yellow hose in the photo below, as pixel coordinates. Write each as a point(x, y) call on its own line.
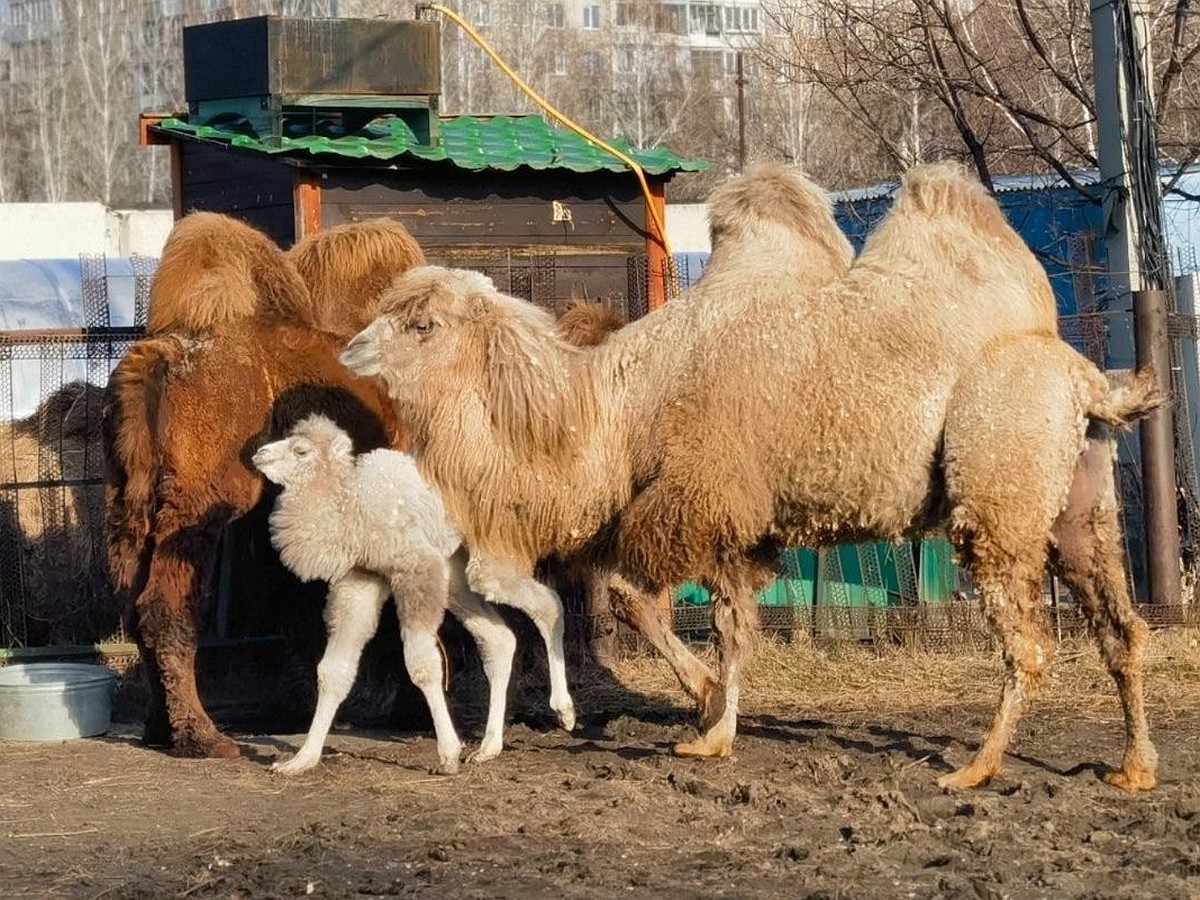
point(578, 129)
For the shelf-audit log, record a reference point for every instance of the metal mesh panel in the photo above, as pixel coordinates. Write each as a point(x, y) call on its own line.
point(53, 584)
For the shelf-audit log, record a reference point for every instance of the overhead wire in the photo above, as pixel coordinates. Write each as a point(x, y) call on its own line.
point(560, 117)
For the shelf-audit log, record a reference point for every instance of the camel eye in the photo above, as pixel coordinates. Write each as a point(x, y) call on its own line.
point(423, 327)
point(302, 451)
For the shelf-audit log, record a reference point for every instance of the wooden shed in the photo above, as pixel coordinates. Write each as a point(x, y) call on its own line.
point(294, 125)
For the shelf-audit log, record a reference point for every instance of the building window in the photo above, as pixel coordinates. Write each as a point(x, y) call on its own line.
point(483, 13)
point(560, 62)
point(741, 18)
point(706, 18)
point(626, 59)
point(591, 64)
point(555, 17)
point(591, 16)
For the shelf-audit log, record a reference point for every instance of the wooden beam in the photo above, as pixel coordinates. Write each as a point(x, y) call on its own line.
point(656, 251)
point(307, 203)
point(146, 137)
point(177, 179)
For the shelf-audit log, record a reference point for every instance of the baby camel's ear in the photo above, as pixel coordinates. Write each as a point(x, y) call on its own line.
point(341, 447)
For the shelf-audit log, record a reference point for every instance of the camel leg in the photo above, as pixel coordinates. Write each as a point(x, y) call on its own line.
point(421, 599)
point(1011, 591)
point(497, 644)
point(167, 612)
point(499, 583)
point(351, 617)
point(1015, 430)
point(1091, 561)
point(734, 620)
point(639, 611)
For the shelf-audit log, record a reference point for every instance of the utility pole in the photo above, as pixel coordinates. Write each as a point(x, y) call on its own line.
point(741, 113)
point(1137, 259)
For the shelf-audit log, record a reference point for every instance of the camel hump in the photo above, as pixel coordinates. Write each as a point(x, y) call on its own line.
point(347, 268)
point(587, 324)
point(216, 269)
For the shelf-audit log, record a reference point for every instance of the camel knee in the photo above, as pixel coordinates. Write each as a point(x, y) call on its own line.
point(422, 659)
point(336, 676)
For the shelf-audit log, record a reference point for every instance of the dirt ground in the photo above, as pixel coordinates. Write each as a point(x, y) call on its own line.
point(831, 795)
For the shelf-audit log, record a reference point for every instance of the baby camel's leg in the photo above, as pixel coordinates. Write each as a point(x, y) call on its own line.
point(351, 617)
point(500, 583)
point(1091, 561)
point(734, 620)
point(497, 644)
point(422, 595)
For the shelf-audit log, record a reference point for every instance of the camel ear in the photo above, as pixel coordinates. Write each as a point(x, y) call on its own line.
point(341, 446)
point(526, 383)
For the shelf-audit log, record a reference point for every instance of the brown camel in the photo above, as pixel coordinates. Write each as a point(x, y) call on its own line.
point(240, 349)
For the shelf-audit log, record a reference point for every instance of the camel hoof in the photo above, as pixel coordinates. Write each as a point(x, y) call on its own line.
point(1132, 779)
point(293, 766)
point(965, 778)
point(445, 767)
point(704, 749)
point(483, 754)
point(215, 746)
point(566, 718)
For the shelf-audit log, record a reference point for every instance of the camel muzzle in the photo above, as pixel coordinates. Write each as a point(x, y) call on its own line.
point(361, 355)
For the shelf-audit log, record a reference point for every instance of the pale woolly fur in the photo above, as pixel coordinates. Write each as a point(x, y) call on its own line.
point(787, 401)
point(338, 512)
point(541, 447)
point(371, 526)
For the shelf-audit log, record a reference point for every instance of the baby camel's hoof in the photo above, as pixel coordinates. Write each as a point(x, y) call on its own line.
point(482, 754)
point(293, 766)
point(1131, 779)
point(704, 749)
point(566, 718)
point(966, 778)
point(446, 767)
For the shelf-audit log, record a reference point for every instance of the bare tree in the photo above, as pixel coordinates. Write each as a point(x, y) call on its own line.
point(1006, 84)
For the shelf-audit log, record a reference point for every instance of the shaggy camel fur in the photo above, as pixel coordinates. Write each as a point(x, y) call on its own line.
point(541, 456)
point(946, 321)
point(373, 521)
point(236, 356)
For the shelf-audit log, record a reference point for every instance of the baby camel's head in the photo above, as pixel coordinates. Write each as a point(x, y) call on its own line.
point(314, 447)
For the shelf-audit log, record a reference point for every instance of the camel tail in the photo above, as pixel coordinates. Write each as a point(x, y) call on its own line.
point(1129, 397)
point(132, 460)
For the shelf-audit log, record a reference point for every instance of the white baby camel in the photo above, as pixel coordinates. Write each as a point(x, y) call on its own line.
point(369, 526)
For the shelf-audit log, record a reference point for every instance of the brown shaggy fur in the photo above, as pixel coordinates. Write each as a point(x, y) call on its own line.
point(215, 269)
point(891, 401)
point(183, 412)
point(348, 265)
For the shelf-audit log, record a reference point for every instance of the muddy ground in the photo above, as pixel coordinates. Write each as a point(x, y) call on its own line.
point(832, 794)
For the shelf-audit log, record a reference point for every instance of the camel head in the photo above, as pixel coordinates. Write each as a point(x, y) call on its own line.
point(315, 447)
point(445, 334)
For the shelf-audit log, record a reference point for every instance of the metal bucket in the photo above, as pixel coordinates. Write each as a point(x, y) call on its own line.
point(55, 701)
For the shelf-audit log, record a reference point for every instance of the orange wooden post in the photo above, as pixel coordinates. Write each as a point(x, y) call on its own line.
point(656, 252)
point(306, 202)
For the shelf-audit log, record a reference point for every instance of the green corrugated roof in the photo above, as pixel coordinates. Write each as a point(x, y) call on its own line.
point(469, 142)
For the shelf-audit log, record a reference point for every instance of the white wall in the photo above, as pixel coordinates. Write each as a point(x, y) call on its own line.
point(687, 227)
point(65, 230)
